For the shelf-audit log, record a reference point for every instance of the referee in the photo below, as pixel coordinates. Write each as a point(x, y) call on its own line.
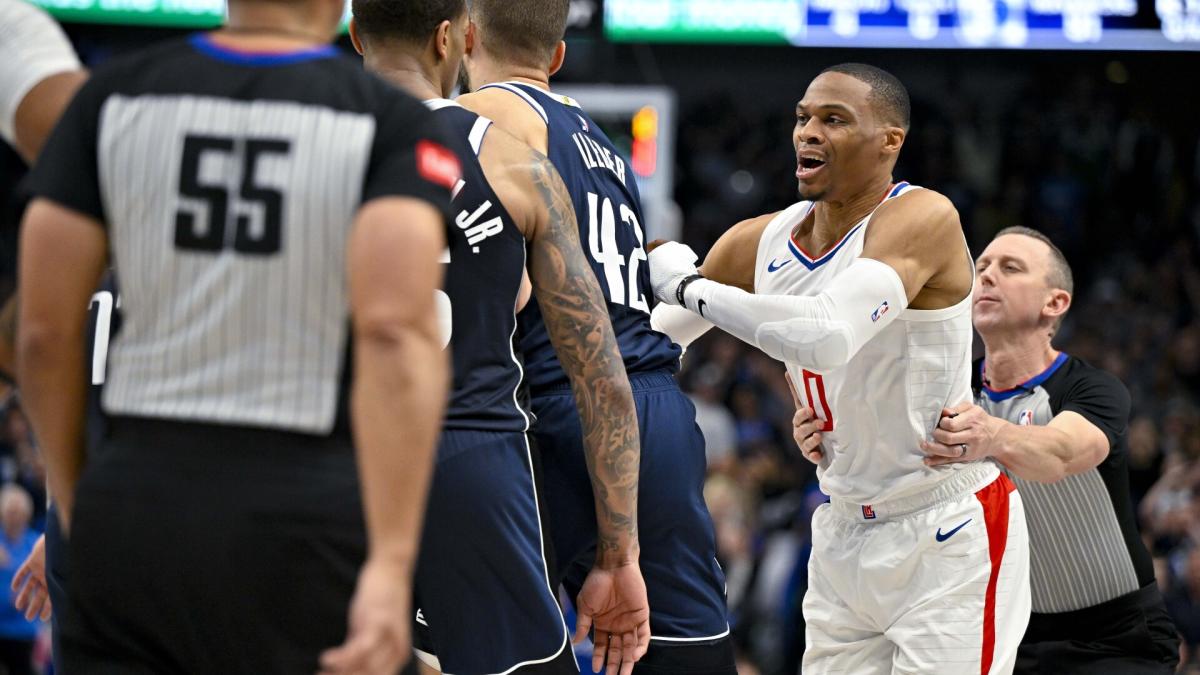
point(275, 217)
point(1058, 425)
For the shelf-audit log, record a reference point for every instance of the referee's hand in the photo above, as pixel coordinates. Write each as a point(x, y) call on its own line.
point(378, 640)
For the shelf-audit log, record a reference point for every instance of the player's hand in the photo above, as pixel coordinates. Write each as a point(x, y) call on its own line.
point(33, 595)
point(670, 263)
point(377, 642)
point(806, 427)
point(964, 433)
point(613, 601)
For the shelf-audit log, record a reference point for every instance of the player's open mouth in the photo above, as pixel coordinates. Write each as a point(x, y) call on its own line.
point(809, 167)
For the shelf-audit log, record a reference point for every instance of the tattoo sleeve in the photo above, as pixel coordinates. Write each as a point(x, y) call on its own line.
point(579, 326)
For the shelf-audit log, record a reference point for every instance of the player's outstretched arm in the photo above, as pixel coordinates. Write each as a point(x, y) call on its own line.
point(913, 261)
point(731, 261)
point(401, 376)
point(63, 255)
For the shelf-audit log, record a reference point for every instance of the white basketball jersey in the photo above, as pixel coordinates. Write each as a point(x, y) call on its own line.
point(889, 397)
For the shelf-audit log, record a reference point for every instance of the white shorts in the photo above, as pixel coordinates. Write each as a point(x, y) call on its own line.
point(934, 584)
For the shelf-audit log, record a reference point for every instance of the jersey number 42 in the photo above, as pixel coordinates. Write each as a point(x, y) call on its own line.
point(622, 285)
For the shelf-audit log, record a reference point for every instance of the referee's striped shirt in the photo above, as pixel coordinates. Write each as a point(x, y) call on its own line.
point(1084, 547)
point(227, 183)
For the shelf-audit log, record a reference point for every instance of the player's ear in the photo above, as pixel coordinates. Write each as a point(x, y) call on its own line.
point(560, 55)
point(893, 139)
point(355, 38)
point(470, 36)
point(441, 39)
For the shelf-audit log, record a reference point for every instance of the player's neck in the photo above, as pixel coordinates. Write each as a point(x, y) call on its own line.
point(271, 27)
point(492, 72)
point(1011, 361)
point(833, 219)
point(408, 74)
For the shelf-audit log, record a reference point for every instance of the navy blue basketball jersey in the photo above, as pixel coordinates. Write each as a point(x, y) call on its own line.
point(609, 210)
point(485, 261)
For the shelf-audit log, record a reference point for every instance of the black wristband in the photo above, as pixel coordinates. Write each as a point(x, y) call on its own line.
point(683, 285)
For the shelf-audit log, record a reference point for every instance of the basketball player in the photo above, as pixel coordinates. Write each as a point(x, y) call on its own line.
point(514, 48)
point(481, 563)
point(863, 289)
point(1058, 426)
point(270, 211)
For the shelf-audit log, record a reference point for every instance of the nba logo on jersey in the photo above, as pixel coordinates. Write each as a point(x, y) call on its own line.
point(868, 512)
point(1026, 418)
point(880, 311)
point(583, 123)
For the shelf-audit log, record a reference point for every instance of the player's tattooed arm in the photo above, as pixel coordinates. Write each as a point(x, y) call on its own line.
point(577, 319)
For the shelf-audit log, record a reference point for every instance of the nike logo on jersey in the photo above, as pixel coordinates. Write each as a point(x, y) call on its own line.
point(700, 307)
point(772, 267)
point(943, 537)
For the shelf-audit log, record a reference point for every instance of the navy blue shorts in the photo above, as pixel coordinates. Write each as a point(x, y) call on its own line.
point(482, 592)
point(678, 558)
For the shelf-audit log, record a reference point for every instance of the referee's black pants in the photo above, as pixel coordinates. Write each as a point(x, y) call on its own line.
point(205, 549)
point(1129, 635)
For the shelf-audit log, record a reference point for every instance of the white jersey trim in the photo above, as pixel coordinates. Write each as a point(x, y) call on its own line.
point(439, 103)
point(478, 132)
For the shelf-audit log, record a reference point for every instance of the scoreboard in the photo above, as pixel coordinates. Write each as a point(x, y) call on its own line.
point(1005, 24)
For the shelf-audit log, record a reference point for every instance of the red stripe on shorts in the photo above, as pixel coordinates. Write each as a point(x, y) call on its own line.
point(994, 499)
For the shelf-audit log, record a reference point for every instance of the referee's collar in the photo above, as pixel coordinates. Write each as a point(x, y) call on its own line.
point(1023, 388)
point(204, 44)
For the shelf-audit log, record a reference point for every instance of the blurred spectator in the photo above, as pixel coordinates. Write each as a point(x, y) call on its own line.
point(716, 423)
point(17, 635)
point(20, 461)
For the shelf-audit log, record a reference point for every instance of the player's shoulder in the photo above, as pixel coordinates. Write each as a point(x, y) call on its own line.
point(916, 219)
point(921, 206)
point(750, 228)
point(514, 171)
point(733, 258)
point(509, 113)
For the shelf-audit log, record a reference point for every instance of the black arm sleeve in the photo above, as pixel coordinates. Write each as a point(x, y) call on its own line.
point(1101, 399)
point(67, 171)
point(411, 157)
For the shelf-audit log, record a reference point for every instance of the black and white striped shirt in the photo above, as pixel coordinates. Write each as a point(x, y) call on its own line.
point(1084, 547)
point(227, 183)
